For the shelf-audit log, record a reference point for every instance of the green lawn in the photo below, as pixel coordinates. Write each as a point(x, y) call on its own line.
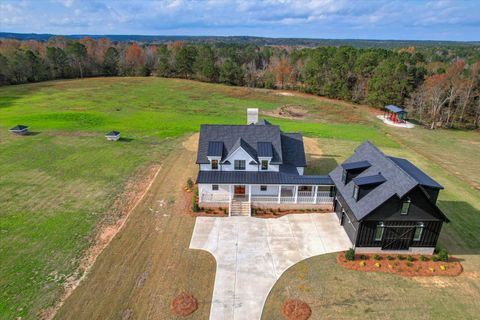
point(57, 183)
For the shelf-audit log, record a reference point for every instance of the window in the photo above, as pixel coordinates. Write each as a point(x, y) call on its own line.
point(379, 231)
point(355, 192)
point(214, 164)
point(264, 164)
point(239, 164)
point(405, 206)
point(263, 188)
point(344, 176)
point(215, 187)
point(418, 232)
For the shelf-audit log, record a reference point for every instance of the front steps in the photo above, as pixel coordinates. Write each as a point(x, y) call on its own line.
point(240, 208)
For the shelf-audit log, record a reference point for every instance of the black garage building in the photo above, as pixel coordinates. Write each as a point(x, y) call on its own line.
point(386, 203)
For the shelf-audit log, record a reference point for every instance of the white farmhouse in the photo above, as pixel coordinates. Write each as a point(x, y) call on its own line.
point(256, 164)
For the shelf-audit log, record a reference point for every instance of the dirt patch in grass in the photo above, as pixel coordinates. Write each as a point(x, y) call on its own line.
point(294, 309)
point(288, 112)
point(183, 305)
point(391, 264)
point(113, 222)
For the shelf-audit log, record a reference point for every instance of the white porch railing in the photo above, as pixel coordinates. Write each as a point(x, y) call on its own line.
point(304, 197)
point(213, 197)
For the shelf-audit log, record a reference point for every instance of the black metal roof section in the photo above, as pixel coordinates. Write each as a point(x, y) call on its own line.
point(215, 149)
point(112, 134)
point(264, 149)
point(369, 180)
point(252, 163)
point(416, 173)
point(258, 177)
point(293, 150)
point(395, 109)
point(356, 165)
point(230, 135)
point(397, 181)
point(19, 127)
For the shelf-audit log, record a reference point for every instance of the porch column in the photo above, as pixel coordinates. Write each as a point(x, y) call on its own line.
point(296, 193)
point(279, 192)
point(249, 193)
point(315, 188)
point(230, 193)
point(200, 195)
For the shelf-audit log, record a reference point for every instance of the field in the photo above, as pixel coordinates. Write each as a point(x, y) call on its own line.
point(59, 182)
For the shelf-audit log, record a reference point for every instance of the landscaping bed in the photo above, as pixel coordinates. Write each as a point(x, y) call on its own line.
point(404, 265)
point(277, 213)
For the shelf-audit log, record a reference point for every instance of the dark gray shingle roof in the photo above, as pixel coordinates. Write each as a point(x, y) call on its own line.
point(258, 177)
point(416, 173)
point(112, 134)
point(375, 179)
point(398, 182)
point(356, 165)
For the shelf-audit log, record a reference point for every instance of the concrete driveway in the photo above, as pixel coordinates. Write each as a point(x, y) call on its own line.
point(252, 253)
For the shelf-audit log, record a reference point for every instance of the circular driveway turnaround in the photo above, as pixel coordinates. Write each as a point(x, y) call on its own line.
point(252, 253)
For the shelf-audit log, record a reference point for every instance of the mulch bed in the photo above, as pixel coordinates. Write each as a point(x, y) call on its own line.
point(183, 305)
point(294, 309)
point(277, 214)
point(415, 268)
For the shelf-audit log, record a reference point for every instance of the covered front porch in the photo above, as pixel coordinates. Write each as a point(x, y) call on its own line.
point(267, 194)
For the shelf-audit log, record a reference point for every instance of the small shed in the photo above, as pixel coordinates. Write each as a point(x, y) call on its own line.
point(113, 136)
point(19, 129)
point(395, 114)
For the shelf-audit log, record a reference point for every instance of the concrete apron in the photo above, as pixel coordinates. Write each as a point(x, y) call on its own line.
point(252, 253)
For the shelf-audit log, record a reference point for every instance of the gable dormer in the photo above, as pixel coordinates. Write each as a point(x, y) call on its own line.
point(353, 169)
point(364, 185)
point(241, 154)
point(215, 154)
point(265, 155)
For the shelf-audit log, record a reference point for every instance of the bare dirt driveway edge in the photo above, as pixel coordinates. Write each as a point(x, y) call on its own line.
point(252, 253)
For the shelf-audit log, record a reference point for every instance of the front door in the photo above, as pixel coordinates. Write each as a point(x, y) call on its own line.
point(239, 190)
point(397, 238)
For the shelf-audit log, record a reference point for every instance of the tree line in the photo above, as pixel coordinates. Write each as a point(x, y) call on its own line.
point(439, 86)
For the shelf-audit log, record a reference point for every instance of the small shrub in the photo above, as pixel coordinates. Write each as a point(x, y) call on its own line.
point(195, 207)
point(443, 255)
point(378, 265)
point(408, 264)
point(423, 258)
point(435, 258)
point(409, 258)
point(377, 257)
point(431, 269)
point(390, 266)
point(350, 254)
point(190, 184)
point(443, 268)
point(390, 258)
point(363, 257)
point(362, 263)
point(400, 257)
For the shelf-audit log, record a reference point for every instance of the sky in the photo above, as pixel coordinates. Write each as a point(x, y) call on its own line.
point(333, 19)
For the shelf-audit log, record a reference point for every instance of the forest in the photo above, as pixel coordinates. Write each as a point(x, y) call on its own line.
point(439, 86)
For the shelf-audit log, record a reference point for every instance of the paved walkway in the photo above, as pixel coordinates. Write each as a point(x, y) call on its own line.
point(252, 253)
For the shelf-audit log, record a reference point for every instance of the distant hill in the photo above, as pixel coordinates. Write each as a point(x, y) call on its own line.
point(260, 41)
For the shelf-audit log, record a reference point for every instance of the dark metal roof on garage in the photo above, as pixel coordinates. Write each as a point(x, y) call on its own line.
point(256, 177)
point(394, 109)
